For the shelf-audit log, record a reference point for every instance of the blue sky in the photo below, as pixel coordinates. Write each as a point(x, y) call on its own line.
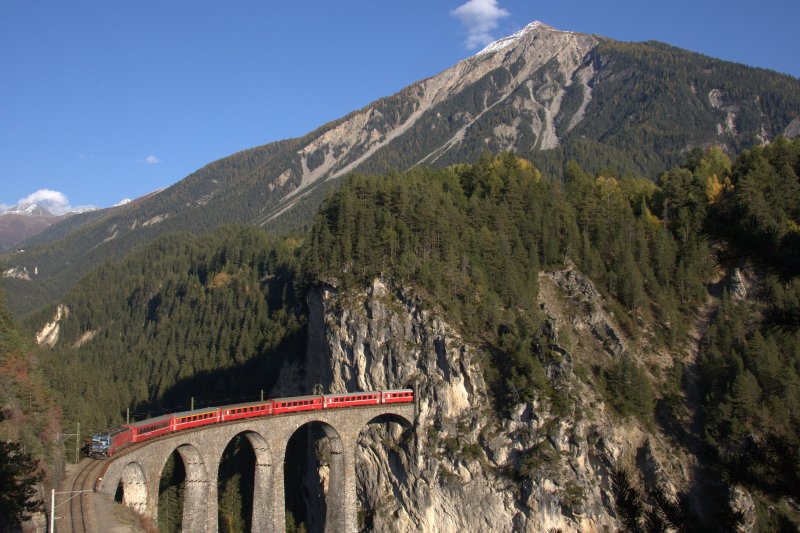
point(112, 99)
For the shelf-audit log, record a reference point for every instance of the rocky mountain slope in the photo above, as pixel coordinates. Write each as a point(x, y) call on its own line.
point(546, 94)
point(556, 338)
point(23, 222)
point(462, 468)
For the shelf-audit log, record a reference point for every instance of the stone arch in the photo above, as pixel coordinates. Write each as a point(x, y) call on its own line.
point(332, 471)
point(383, 451)
point(196, 488)
point(133, 485)
point(390, 417)
point(264, 479)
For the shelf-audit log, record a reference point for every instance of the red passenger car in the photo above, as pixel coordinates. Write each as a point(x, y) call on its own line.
point(297, 403)
point(196, 418)
point(397, 396)
point(106, 444)
point(150, 428)
point(245, 410)
point(333, 401)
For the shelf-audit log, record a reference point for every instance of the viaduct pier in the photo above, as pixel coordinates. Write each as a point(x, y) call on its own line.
point(139, 470)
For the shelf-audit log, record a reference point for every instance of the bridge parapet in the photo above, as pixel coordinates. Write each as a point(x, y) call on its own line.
point(140, 469)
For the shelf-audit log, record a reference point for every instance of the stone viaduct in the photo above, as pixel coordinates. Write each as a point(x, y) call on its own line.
point(139, 470)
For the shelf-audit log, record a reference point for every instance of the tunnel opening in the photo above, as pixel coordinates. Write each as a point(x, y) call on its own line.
point(313, 479)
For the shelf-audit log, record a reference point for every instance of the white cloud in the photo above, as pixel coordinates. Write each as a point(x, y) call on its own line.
point(54, 201)
point(3, 208)
point(150, 160)
point(479, 17)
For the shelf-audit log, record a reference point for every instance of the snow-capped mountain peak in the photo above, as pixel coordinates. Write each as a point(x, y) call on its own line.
point(513, 38)
point(28, 209)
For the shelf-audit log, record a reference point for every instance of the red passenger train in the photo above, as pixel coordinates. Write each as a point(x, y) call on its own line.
point(109, 443)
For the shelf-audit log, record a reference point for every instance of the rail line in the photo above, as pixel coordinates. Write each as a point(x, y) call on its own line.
point(84, 480)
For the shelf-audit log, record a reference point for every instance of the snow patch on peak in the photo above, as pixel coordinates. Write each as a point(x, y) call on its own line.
point(514, 37)
point(28, 209)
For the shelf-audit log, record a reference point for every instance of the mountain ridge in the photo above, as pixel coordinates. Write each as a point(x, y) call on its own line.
point(546, 94)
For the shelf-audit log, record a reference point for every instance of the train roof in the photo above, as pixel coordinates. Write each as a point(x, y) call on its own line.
point(148, 421)
point(341, 394)
point(296, 398)
point(195, 412)
point(246, 404)
point(112, 431)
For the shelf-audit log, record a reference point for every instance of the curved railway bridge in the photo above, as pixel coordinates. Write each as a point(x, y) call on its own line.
point(139, 468)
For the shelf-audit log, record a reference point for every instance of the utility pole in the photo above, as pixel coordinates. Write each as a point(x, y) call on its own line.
point(53, 504)
point(192, 409)
point(128, 415)
point(61, 437)
point(262, 395)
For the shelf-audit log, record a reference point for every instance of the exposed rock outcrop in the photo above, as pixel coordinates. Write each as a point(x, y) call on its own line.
point(462, 467)
point(48, 335)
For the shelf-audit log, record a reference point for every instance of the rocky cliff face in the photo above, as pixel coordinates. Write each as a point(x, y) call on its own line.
point(462, 467)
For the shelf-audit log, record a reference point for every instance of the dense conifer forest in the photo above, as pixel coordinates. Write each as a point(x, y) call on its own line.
point(216, 315)
point(29, 425)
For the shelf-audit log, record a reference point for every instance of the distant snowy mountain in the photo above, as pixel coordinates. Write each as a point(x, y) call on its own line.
point(25, 220)
point(28, 209)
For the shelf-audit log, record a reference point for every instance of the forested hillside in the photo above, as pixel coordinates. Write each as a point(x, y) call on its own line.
point(473, 237)
point(216, 316)
point(621, 109)
point(29, 426)
point(212, 317)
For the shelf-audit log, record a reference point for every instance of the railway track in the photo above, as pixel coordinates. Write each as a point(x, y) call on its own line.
point(76, 519)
